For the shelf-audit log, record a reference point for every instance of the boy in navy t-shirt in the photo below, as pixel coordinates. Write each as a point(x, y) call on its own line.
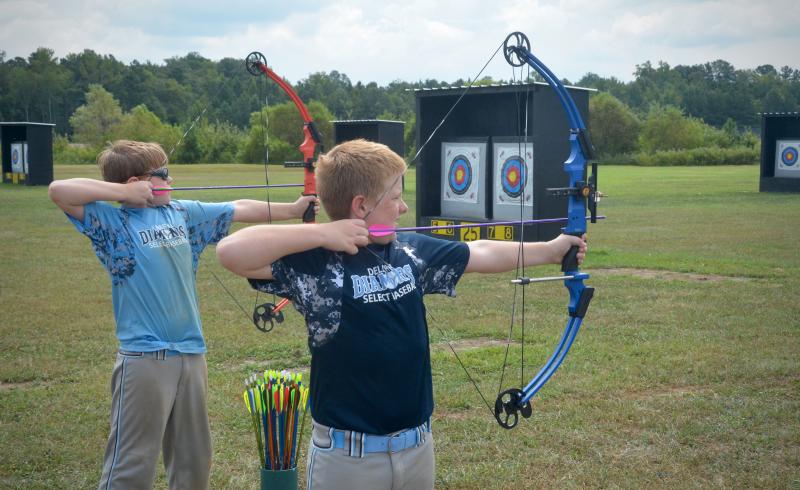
point(362, 299)
point(150, 246)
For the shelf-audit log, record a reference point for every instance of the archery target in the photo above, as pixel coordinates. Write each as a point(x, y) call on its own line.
point(17, 158)
point(460, 175)
point(513, 180)
point(513, 176)
point(786, 158)
point(463, 179)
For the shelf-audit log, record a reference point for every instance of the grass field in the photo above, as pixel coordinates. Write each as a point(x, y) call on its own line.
point(685, 374)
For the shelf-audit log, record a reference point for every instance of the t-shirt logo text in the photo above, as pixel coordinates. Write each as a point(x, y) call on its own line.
point(383, 283)
point(163, 236)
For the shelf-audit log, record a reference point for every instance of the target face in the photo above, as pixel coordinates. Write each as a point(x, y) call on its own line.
point(460, 175)
point(18, 158)
point(786, 155)
point(789, 156)
point(514, 176)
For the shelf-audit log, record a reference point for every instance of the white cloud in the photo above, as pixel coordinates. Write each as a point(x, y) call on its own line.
point(415, 39)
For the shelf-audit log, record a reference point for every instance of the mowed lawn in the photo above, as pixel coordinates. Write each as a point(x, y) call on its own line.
point(685, 373)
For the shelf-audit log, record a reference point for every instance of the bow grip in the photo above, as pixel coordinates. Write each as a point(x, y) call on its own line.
point(570, 260)
point(308, 214)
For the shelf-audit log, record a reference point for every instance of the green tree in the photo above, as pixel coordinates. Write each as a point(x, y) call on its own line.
point(48, 82)
point(95, 121)
point(220, 142)
point(334, 88)
point(281, 126)
point(141, 124)
point(667, 128)
point(211, 143)
point(614, 127)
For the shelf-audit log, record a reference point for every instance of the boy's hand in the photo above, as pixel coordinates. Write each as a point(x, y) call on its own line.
point(138, 193)
point(561, 245)
point(345, 235)
point(301, 204)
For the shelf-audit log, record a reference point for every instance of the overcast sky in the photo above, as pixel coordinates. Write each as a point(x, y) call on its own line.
point(382, 41)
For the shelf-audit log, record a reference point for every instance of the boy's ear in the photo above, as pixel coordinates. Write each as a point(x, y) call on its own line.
point(358, 207)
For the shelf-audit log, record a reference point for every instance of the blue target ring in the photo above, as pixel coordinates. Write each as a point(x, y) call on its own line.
point(460, 175)
point(514, 176)
point(789, 156)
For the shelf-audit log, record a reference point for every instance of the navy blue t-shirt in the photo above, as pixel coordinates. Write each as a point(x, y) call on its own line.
point(367, 331)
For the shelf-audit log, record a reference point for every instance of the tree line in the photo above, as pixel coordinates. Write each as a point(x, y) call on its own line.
point(664, 114)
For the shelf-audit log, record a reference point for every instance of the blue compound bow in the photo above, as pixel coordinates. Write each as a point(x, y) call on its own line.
point(580, 193)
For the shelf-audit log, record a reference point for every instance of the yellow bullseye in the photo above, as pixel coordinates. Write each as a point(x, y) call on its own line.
point(513, 176)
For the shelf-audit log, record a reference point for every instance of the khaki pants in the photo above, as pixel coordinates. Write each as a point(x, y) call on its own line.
point(158, 402)
point(330, 468)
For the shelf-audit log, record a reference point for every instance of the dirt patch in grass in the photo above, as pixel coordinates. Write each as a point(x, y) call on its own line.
point(665, 391)
point(468, 344)
point(5, 386)
point(668, 275)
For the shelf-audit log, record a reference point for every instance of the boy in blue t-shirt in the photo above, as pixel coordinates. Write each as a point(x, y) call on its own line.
point(362, 299)
point(150, 246)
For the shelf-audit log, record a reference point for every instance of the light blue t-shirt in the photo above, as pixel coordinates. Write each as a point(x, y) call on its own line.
point(151, 256)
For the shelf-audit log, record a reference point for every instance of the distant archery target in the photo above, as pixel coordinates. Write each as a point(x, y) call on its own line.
point(786, 155)
point(789, 156)
point(514, 176)
point(460, 175)
point(18, 157)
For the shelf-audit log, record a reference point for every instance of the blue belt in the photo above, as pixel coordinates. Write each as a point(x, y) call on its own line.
point(359, 442)
point(156, 354)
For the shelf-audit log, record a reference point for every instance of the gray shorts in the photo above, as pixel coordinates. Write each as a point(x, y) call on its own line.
point(159, 401)
point(339, 460)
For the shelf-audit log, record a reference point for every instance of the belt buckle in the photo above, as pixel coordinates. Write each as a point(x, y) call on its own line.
point(400, 436)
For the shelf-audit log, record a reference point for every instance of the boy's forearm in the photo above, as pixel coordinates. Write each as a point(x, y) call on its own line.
point(249, 252)
point(489, 256)
point(252, 211)
point(81, 191)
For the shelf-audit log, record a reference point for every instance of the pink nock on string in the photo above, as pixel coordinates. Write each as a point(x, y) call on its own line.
point(379, 230)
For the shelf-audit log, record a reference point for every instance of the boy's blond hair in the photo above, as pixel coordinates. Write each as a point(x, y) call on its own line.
point(124, 159)
point(352, 168)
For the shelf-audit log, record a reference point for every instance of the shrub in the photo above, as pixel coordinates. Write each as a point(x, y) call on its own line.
point(707, 155)
point(68, 153)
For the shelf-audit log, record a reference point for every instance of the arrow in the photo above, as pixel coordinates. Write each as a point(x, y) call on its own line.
point(162, 190)
point(384, 230)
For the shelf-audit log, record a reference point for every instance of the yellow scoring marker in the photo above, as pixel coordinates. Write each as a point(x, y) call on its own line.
point(501, 232)
point(470, 234)
point(444, 231)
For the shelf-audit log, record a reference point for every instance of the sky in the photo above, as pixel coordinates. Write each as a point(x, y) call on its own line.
point(382, 41)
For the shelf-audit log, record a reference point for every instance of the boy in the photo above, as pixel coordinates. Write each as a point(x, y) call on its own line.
point(362, 298)
point(150, 246)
